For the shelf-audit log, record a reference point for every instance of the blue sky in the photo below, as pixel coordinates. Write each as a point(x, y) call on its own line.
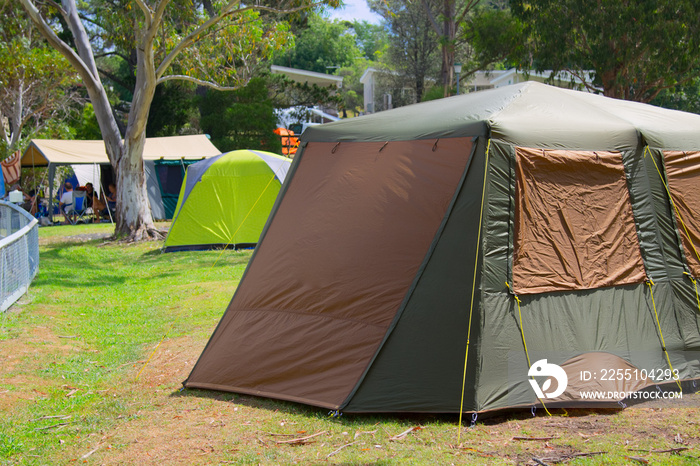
point(355, 9)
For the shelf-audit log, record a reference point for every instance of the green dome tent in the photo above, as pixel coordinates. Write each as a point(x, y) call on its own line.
point(225, 200)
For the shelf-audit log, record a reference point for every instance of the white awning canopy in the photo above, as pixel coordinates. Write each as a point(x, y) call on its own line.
point(42, 152)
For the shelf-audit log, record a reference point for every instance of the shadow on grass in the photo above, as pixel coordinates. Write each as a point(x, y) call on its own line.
point(369, 419)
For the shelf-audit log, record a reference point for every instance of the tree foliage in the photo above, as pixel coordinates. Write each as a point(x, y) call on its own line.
point(241, 119)
point(685, 97)
point(371, 39)
point(38, 87)
point(448, 18)
point(217, 43)
point(323, 47)
point(413, 44)
point(173, 110)
point(632, 49)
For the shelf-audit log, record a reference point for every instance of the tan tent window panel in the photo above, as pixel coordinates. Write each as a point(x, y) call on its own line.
point(574, 228)
point(683, 172)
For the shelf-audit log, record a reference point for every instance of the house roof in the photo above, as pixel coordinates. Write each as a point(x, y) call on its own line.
point(310, 77)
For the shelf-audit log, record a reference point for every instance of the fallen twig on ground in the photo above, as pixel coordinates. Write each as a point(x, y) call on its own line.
point(533, 438)
point(371, 432)
point(87, 455)
point(62, 424)
point(670, 450)
point(336, 451)
point(301, 440)
point(43, 418)
point(569, 456)
point(637, 459)
point(403, 434)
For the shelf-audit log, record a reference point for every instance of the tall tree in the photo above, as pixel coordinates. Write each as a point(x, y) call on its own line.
point(685, 97)
point(371, 39)
point(241, 119)
point(413, 43)
point(324, 46)
point(631, 49)
point(37, 85)
point(211, 43)
point(448, 18)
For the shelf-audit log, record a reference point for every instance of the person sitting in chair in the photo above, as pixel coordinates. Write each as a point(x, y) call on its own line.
point(100, 206)
point(112, 197)
point(65, 204)
point(90, 195)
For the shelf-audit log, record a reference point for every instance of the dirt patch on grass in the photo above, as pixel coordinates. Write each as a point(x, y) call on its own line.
point(28, 352)
point(163, 426)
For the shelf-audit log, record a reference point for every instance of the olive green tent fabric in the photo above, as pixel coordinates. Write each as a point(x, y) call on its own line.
point(528, 115)
point(384, 278)
point(226, 200)
point(683, 170)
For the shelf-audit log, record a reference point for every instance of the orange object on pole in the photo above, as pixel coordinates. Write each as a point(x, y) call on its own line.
point(290, 143)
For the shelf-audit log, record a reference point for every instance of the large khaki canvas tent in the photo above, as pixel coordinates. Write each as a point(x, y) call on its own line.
point(225, 200)
point(165, 162)
point(446, 256)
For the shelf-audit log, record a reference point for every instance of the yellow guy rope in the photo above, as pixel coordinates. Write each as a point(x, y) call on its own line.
point(154, 351)
point(668, 192)
point(695, 285)
point(690, 240)
point(471, 305)
point(661, 335)
point(274, 175)
point(522, 334)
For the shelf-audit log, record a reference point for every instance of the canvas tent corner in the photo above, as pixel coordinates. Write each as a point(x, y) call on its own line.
point(535, 223)
point(225, 200)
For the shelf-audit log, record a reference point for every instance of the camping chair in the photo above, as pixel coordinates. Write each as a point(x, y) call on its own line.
point(77, 211)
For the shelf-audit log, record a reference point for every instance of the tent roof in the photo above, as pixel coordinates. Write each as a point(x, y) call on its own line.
point(41, 152)
point(528, 114)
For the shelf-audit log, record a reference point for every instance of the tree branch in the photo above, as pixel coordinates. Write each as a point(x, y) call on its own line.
point(160, 11)
point(432, 19)
point(114, 78)
point(59, 8)
point(228, 10)
point(3, 134)
point(200, 82)
point(192, 37)
point(57, 43)
point(114, 53)
point(147, 13)
point(467, 8)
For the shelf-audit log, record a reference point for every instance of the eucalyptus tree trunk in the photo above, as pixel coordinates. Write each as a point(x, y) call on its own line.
point(133, 217)
point(449, 31)
point(133, 209)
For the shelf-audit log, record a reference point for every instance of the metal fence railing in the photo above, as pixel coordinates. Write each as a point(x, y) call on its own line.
point(19, 253)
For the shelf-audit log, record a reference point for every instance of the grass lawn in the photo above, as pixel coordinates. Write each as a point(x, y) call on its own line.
point(93, 359)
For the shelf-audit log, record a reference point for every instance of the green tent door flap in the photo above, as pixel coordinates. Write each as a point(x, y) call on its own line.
point(170, 175)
